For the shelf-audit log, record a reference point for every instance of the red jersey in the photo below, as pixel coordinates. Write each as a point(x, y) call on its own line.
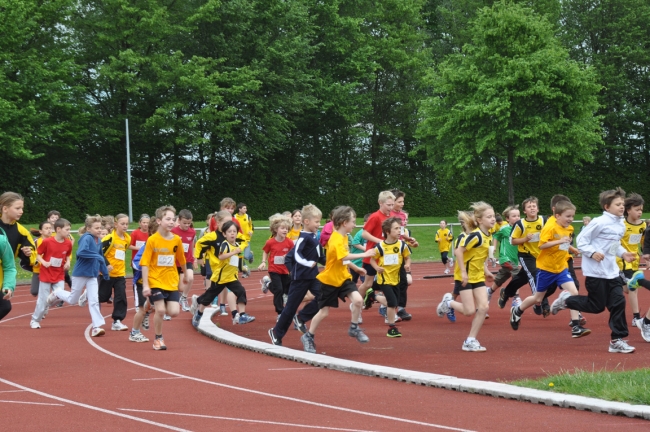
point(187, 237)
point(138, 239)
point(401, 216)
point(57, 254)
point(276, 251)
point(373, 226)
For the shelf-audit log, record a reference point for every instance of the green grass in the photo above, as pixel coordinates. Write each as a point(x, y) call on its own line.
point(620, 386)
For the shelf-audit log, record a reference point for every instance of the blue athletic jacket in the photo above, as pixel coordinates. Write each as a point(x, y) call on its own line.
point(302, 260)
point(90, 260)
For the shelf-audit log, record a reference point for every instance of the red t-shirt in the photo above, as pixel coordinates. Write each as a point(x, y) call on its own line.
point(402, 216)
point(138, 239)
point(373, 226)
point(57, 254)
point(187, 237)
point(276, 251)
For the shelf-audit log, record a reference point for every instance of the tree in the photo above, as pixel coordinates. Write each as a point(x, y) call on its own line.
point(512, 94)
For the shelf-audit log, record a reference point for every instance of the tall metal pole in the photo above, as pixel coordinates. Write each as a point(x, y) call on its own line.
point(128, 171)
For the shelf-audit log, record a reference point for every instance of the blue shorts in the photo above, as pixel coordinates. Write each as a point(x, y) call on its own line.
point(161, 294)
point(546, 280)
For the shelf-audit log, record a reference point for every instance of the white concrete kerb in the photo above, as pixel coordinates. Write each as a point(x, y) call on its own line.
point(506, 391)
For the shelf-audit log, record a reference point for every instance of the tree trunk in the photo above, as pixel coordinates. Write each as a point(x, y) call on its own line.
point(511, 185)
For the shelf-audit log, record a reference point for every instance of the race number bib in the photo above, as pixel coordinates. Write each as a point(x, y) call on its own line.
point(139, 244)
point(165, 260)
point(564, 246)
point(613, 248)
point(347, 262)
point(55, 262)
point(401, 230)
point(391, 259)
point(635, 239)
point(234, 261)
point(186, 247)
point(120, 254)
point(278, 259)
point(534, 238)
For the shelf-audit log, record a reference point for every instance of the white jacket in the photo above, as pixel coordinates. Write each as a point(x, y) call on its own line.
point(603, 234)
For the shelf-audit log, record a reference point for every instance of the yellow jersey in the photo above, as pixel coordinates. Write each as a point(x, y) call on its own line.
point(554, 259)
point(246, 224)
point(293, 234)
point(476, 246)
point(444, 237)
point(37, 266)
point(114, 249)
point(160, 256)
point(336, 270)
point(459, 241)
point(207, 248)
point(523, 228)
point(390, 257)
point(632, 240)
point(225, 270)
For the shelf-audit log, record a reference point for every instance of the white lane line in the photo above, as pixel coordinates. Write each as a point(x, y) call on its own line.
point(12, 391)
point(30, 403)
point(90, 407)
point(290, 369)
point(261, 393)
point(304, 426)
point(151, 379)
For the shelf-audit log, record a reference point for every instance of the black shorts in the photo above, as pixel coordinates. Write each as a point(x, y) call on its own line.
point(188, 266)
point(390, 292)
point(369, 269)
point(330, 295)
point(137, 295)
point(161, 294)
point(458, 286)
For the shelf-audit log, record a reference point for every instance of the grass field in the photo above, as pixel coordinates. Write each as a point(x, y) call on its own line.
point(622, 386)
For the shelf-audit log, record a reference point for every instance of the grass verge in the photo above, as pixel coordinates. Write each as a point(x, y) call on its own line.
point(620, 386)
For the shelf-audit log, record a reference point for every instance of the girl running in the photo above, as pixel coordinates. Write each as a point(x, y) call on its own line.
point(294, 232)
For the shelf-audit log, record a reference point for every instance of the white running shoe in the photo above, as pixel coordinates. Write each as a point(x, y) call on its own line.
point(645, 330)
point(167, 317)
point(138, 337)
point(34, 324)
point(560, 302)
point(473, 346)
point(184, 306)
point(265, 281)
point(97, 331)
point(446, 271)
point(195, 305)
point(516, 301)
point(443, 307)
point(620, 346)
point(118, 326)
point(52, 298)
point(83, 299)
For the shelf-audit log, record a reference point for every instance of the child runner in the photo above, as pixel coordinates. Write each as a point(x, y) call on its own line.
point(11, 209)
point(44, 231)
point(247, 229)
point(444, 237)
point(307, 254)
point(296, 218)
point(275, 250)
point(90, 262)
point(224, 276)
point(600, 244)
point(7, 274)
point(553, 270)
point(114, 247)
point(525, 234)
point(336, 280)
point(508, 255)
point(159, 275)
point(389, 257)
point(187, 234)
point(54, 255)
point(458, 277)
point(140, 235)
point(398, 212)
point(358, 245)
point(473, 254)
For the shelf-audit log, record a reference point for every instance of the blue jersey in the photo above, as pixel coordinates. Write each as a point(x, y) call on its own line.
point(302, 260)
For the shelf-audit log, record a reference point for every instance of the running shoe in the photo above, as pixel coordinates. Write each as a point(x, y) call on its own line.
point(538, 309)
point(118, 326)
point(138, 337)
point(644, 329)
point(274, 340)
point(223, 311)
point(308, 343)
point(184, 306)
point(446, 271)
point(357, 332)
point(579, 331)
point(620, 346)
point(473, 346)
point(489, 293)
point(514, 318)
point(393, 332)
point(60, 304)
point(34, 324)
point(502, 298)
point(196, 319)
point(633, 282)
point(97, 331)
point(265, 281)
point(443, 307)
point(245, 319)
point(451, 315)
point(299, 325)
point(369, 298)
point(51, 299)
point(145, 321)
point(194, 305)
point(382, 311)
point(397, 319)
point(245, 271)
point(83, 299)
point(516, 301)
point(546, 309)
point(560, 302)
point(159, 344)
point(401, 312)
point(167, 317)
point(637, 322)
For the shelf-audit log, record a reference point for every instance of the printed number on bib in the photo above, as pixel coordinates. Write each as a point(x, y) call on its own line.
point(186, 247)
point(613, 248)
point(635, 239)
point(278, 259)
point(234, 261)
point(166, 260)
point(564, 246)
point(55, 262)
point(120, 254)
point(391, 259)
point(535, 238)
point(139, 244)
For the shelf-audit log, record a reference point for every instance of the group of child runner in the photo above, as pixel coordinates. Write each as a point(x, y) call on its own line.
point(165, 251)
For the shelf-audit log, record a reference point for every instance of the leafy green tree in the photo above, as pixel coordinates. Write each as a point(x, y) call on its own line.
point(512, 94)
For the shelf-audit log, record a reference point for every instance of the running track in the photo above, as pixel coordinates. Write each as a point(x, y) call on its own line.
point(57, 378)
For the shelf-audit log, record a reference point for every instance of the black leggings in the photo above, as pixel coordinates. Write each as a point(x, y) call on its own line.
point(279, 286)
point(215, 289)
point(5, 308)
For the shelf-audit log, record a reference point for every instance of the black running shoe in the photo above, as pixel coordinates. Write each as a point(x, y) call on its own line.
point(404, 315)
point(369, 299)
point(546, 308)
point(538, 309)
point(514, 318)
point(579, 331)
point(502, 298)
point(274, 340)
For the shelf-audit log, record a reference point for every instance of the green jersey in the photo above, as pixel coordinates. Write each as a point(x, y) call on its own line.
point(507, 251)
